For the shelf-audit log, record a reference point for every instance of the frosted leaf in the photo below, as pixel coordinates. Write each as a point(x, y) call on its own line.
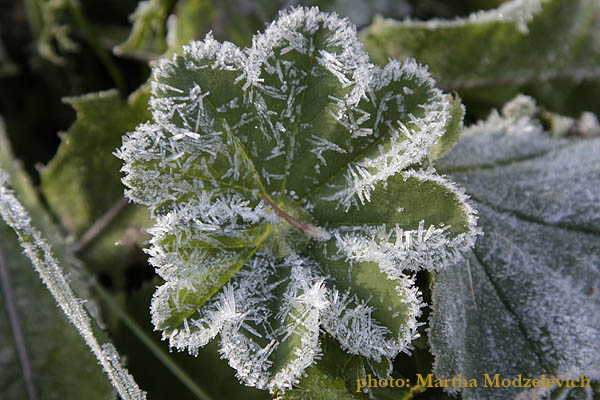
point(501, 139)
point(400, 132)
point(265, 169)
point(397, 233)
point(521, 42)
point(532, 307)
point(268, 318)
point(361, 319)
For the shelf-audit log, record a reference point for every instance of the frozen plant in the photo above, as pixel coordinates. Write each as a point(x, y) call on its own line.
point(37, 249)
point(289, 198)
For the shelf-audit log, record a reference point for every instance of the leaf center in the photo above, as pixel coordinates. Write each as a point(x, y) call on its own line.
point(312, 231)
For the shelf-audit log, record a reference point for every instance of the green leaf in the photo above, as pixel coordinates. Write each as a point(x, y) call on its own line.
point(84, 167)
point(60, 363)
point(324, 380)
point(56, 360)
point(82, 182)
point(208, 370)
point(164, 26)
point(453, 130)
point(148, 35)
point(338, 375)
point(545, 48)
point(521, 41)
point(373, 307)
point(526, 300)
point(268, 172)
point(40, 253)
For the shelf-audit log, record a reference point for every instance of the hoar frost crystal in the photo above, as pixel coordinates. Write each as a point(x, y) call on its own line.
point(300, 125)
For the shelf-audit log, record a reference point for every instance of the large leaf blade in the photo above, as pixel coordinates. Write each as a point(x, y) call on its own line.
point(82, 182)
point(535, 270)
point(227, 166)
point(562, 36)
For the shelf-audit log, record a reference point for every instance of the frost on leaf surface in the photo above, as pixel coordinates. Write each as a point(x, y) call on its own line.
point(285, 186)
point(512, 45)
point(533, 306)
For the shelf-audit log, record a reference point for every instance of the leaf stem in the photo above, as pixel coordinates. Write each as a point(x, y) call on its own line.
point(158, 352)
point(310, 230)
point(99, 226)
point(15, 325)
point(102, 54)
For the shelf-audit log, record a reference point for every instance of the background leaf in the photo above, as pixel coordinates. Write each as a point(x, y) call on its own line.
point(161, 26)
point(82, 182)
point(62, 365)
point(532, 307)
point(148, 34)
point(491, 56)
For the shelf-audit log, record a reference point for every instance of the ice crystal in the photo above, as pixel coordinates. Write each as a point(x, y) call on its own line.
point(278, 179)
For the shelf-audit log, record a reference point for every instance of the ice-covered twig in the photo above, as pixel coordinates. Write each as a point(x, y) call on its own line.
point(40, 253)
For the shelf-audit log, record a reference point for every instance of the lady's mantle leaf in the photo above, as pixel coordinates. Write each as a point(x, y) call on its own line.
point(520, 42)
point(281, 184)
point(533, 307)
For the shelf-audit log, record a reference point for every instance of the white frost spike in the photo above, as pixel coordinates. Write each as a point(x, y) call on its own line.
point(395, 249)
point(40, 253)
point(322, 145)
point(409, 144)
point(351, 322)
